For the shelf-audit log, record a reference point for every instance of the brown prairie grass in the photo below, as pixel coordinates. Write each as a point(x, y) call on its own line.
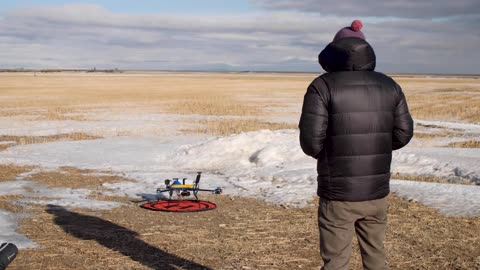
point(420, 135)
point(61, 114)
point(5, 146)
point(446, 98)
point(241, 233)
point(8, 172)
point(22, 140)
point(235, 126)
point(466, 144)
point(451, 107)
point(428, 178)
point(437, 127)
point(70, 177)
point(68, 91)
point(443, 98)
point(211, 106)
point(6, 205)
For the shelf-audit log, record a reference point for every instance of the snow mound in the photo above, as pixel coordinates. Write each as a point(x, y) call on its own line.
point(454, 164)
point(449, 199)
point(265, 164)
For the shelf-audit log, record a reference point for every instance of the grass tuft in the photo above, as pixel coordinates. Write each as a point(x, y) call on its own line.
point(466, 144)
point(23, 140)
point(235, 126)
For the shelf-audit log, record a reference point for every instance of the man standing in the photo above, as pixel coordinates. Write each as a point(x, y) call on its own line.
point(352, 118)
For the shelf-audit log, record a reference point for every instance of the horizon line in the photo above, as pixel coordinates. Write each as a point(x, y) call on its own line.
point(117, 70)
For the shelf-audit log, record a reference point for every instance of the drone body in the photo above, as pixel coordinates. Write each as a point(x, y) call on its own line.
point(182, 190)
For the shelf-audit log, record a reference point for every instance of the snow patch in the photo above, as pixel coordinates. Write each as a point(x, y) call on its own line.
point(263, 164)
point(267, 165)
point(469, 127)
point(8, 227)
point(448, 199)
point(455, 164)
point(33, 193)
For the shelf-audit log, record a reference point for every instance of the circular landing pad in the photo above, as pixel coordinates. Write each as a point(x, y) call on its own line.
point(180, 206)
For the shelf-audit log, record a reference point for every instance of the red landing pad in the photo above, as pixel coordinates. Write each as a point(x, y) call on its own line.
point(180, 206)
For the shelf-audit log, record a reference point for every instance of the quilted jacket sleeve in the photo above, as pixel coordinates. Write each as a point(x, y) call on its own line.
point(403, 126)
point(314, 119)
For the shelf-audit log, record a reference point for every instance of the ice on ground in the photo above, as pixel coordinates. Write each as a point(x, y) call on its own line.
point(449, 132)
point(8, 227)
point(106, 124)
point(33, 193)
point(267, 165)
point(95, 128)
point(448, 199)
point(263, 164)
point(454, 164)
point(465, 127)
point(252, 164)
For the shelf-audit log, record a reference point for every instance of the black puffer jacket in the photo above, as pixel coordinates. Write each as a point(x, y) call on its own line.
point(352, 119)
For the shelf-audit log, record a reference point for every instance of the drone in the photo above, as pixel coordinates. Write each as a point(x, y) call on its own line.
point(182, 189)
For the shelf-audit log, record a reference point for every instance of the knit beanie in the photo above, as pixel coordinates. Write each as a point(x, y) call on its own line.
point(354, 30)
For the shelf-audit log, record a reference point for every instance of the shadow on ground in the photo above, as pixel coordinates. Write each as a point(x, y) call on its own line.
point(117, 238)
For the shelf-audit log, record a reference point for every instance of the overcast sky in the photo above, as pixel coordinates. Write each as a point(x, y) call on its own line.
point(408, 36)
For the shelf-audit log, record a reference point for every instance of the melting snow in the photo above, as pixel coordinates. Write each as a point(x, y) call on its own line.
point(8, 226)
point(268, 165)
point(264, 164)
point(449, 199)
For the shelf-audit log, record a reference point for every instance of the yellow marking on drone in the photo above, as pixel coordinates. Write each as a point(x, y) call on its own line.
point(183, 186)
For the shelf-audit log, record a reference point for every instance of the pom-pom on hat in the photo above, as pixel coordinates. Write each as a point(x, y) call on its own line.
point(356, 25)
point(353, 31)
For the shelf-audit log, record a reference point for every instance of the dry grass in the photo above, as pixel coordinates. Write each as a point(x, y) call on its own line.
point(443, 98)
point(5, 146)
point(211, 94)
point(22, 140)
point(428, 178)
point(466, 144)
point(9, 172)
point(66, 96)
point(69, 177)
point(440, 108)
point(420, 135)
point(5, 204)
point(61, 114)
point(235, 126)
point(212, 106)
point(241, 233)
point(437, 127)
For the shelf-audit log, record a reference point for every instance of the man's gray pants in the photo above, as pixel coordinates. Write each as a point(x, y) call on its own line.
point(338, 220)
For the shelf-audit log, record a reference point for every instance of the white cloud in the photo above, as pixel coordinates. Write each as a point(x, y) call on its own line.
point(86, 35)
point(386, 8)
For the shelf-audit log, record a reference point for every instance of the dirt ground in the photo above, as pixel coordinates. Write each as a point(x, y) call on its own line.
point(241, 233)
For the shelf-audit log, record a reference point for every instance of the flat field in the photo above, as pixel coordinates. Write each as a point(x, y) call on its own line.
point(76, 148)
point(256, 98)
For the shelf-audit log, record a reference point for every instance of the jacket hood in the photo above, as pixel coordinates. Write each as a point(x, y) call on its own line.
point(347, 54)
